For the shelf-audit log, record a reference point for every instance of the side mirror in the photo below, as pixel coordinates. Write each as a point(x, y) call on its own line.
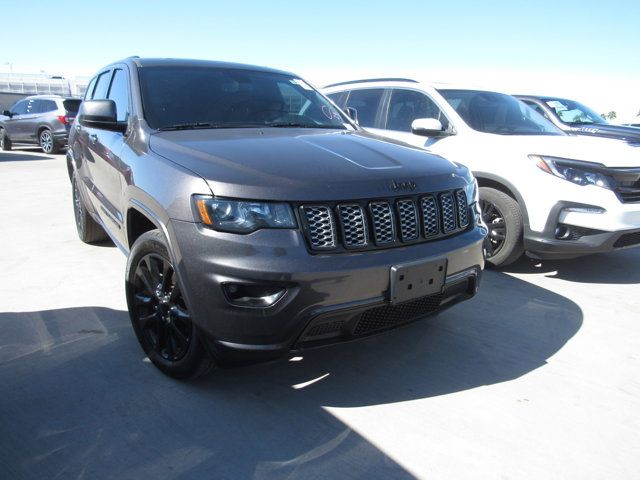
point(100, 114)
point(427, 127)
point(352, 113)
point(7, 113)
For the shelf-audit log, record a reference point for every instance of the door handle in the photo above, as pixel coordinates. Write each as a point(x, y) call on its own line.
point(94, 138)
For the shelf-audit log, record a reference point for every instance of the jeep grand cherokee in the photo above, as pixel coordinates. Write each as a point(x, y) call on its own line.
point(257, 217)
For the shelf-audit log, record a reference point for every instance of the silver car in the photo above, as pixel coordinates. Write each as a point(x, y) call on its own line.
point(43, 120)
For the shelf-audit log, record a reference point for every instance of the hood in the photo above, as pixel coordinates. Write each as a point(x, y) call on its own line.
point(306, 164)
point(619, 132)
point(608, 152)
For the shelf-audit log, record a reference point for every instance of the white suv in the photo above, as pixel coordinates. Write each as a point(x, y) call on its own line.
point(541, 191)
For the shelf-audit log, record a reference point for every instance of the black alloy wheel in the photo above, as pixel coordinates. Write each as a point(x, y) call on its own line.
point(494, 219)
point(160, 311)
point(502, 214)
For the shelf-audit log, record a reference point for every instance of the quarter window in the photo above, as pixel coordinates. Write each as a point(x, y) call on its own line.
point(102, 85)
point(366, 102)
point(119, 93)
point(407, 105)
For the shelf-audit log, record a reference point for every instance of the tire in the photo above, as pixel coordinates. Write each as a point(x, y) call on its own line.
point(158, 312)
point(5, 143)
point(503, 216)
point(88, 229)
point(47, 142)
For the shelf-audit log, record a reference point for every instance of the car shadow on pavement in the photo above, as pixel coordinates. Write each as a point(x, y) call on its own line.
point(18, 156)
point(605, 268)
point(80, 399)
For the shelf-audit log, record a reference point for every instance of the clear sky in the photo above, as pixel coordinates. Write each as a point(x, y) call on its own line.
point(587, 50)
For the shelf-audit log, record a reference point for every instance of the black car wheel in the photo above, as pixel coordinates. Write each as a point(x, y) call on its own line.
point(502, 214)
point(88, 229)
point(158, 311)
point(47, 143)
point(5, 143)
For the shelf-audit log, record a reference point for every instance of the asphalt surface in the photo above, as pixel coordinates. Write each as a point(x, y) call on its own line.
point(536, 378)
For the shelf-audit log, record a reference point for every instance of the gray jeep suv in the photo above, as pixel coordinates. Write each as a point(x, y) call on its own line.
point(257, 218)
point(43, 120)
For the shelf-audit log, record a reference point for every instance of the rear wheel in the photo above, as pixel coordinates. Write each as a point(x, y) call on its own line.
point(88, 229)
point(47, 143)
point(158, 311)
point(5, 143)
point(502, 214)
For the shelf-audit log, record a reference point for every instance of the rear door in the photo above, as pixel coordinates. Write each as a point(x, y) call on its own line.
point(13, 124)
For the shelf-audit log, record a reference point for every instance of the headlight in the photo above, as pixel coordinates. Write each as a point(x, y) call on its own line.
point(242, 216)
point(580, 173)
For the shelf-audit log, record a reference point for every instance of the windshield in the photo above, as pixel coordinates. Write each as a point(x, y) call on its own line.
point(492, 112)
point(573, 113)
point(176, 97)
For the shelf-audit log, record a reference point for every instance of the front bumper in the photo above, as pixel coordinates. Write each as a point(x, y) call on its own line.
point(617, 227)
point(320, 289)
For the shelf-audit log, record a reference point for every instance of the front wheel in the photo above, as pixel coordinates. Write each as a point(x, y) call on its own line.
point(5, 142)
point(159, 314)
point(502, 214)
point(47, 143)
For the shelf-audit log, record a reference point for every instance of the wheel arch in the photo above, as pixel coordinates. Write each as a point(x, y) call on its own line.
point(490, 180)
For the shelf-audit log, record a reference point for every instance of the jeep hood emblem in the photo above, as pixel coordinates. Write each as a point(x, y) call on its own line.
point(403, 185)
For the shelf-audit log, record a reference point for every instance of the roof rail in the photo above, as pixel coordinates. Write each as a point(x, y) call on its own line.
point(372, 80)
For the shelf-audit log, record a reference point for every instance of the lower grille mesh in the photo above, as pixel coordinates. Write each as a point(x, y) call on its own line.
point(627, 240)
point(389, 315)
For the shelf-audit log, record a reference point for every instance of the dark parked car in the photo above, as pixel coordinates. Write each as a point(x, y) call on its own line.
point(577, 119)
point(42, 120)
point(257, 218)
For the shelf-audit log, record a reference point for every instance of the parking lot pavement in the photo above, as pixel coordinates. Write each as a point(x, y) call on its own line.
point(535, 378)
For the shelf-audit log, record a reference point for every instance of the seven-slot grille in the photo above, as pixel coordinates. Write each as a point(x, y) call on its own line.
point(383, 223)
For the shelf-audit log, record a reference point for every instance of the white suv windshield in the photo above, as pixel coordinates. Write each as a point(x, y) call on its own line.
point(211, 97)
point(492, 112)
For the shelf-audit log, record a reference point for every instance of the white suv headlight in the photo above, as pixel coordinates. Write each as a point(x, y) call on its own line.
point(575, 171)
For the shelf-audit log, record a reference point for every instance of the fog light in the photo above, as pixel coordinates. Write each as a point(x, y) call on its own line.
point(562, 232)
point(252, 295)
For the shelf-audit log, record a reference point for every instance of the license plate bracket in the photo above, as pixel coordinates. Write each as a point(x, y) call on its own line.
point(416, 279)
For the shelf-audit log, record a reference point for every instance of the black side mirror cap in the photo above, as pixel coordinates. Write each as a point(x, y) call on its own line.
point(7, 113)
point(352, 113)
point(100, 114)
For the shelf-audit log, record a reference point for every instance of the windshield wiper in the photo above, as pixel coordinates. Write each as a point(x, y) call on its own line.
point(205, 125)
point(300, 125)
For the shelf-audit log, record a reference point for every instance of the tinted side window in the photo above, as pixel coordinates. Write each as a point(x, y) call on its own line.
point(366, 102)
point(407, 105)
point(119, 93)
point(338, 98)
point(33, 106)
point(47, 106)
point(20, 107)
point(102, 85)
point(89, 92)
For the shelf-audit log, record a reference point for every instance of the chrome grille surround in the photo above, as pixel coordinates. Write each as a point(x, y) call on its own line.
point(384, 231)
point(408, 219)
point(354, 225)
point(320, 229)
